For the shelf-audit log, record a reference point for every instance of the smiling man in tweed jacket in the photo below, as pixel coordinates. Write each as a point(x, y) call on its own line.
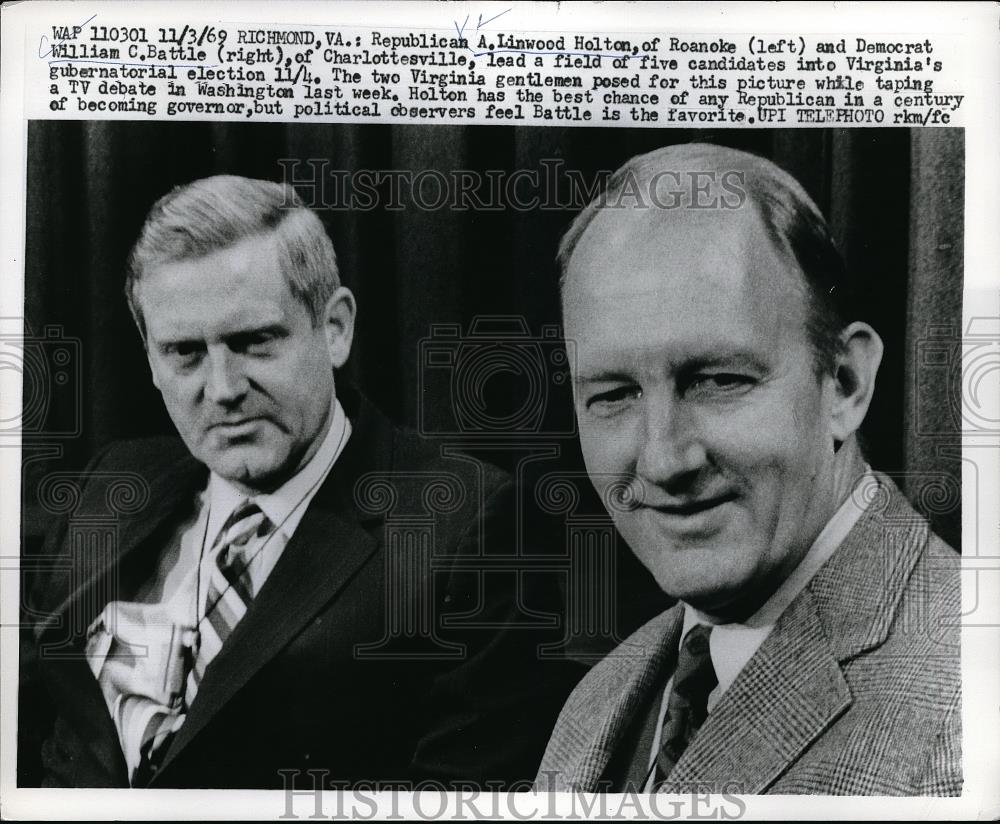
point(721, 377)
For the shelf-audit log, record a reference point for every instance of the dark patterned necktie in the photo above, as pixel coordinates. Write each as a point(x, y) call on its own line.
point(687, 706)
point(230, 587)
point(230, 592)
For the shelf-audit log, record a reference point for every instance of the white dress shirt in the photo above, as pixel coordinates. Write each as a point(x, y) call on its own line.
point(174, 597)
point(732, 645)
point(178, 579)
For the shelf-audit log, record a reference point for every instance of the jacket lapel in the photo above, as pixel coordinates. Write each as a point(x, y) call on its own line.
point(62, 633)
point(332, 542)
point(788, 694)
point(793, 688)
point(601, 710)
point(169, 495)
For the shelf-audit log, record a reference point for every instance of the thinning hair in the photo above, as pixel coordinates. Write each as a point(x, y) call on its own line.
point(215, 213)
point(792, 220)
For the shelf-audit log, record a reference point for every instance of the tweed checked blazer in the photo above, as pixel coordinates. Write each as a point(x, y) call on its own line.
point(856, 691)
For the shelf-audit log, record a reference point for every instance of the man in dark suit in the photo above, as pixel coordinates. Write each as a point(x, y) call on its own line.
point(294, 594)
point(721, 375)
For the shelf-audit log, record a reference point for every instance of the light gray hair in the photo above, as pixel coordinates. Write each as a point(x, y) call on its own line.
point(214, 213)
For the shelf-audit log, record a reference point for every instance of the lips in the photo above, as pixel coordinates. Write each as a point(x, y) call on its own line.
point(689, 521)
point(694, 507)
point(234, 427)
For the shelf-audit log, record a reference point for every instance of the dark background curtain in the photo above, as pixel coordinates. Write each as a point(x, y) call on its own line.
point(893, 197)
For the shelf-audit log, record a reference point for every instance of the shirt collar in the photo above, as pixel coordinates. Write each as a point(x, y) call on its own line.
point(733, 645)
point(287, 504)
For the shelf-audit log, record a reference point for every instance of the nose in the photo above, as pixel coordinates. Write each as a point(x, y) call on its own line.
point(672, 454)
point(225, 383)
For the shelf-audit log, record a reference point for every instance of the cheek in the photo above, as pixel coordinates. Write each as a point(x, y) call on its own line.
point(300, 393)
point(180, 396)
point(607, 448)
point(779, 472)
point(778, 434)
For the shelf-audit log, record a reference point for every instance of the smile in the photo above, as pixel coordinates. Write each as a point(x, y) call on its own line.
point(691, 508)
point(692, 520)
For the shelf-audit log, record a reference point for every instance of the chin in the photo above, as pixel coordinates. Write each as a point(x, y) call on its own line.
point(698, 593)
point(700, 576)
point(249, 468)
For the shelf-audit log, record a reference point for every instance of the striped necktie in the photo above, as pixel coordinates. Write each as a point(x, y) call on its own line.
point(230, 592)
point(230, 586)
point(687, 706)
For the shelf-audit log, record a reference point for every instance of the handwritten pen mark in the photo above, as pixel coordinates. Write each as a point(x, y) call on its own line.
point(43, 38)
point(461, 36)
point(485, 22)
point(141, 65)
point(549, 53)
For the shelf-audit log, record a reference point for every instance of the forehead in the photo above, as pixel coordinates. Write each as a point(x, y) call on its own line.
point(684, 281)
point(238, 286)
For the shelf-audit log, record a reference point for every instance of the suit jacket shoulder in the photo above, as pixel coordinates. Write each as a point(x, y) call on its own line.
point(856, 691)
point(393, 653)
point(597, 714)
point(890, 604)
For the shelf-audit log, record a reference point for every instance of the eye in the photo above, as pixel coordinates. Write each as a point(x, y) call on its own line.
point(610, 402)
point(184, 353)
point(254, 343)
point(718, 383)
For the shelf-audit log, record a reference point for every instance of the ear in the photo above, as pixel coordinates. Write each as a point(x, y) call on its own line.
point(854, 380)
point(338, 325)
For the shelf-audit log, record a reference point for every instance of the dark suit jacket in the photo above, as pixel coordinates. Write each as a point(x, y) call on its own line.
point(378, 648)
point(856, 691)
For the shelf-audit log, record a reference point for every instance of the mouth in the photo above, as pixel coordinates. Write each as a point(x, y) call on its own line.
point(235, 429)
point(695, 520)
point(689, 509)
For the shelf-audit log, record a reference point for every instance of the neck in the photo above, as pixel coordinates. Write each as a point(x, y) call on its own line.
point(848, 467)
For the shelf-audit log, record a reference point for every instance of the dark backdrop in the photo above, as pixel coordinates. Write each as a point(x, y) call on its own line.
point(893, 197)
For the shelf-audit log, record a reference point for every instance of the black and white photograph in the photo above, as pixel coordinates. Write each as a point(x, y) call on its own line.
point(450, 319)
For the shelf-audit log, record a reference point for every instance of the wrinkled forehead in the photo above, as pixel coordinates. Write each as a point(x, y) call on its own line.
point(259, 248)
point(687, 282)
point(235, 283)
point(735, 246)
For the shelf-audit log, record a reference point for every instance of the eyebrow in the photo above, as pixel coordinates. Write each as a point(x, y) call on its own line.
point(610, 376)
point(738, 359)
point(276, 329)
point(268, 329)
point(731, 360)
